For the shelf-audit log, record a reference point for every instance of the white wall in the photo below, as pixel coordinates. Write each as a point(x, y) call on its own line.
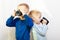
point(54, 28)
point(49, 8)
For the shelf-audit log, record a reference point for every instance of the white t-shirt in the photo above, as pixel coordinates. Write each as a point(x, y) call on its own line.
point(39, 31)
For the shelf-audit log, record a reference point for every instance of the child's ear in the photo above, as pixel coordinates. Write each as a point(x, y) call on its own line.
point(33, 18)
point(28, 13)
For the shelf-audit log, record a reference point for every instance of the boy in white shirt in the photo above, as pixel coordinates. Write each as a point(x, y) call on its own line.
point(39, 29)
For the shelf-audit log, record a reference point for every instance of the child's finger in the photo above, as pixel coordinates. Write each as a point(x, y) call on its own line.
point(13, 14)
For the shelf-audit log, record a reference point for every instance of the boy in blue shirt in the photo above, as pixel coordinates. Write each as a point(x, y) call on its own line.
point(23, 23)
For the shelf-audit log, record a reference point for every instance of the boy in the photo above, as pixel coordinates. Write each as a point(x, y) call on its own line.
point(23, 23)
point(39, 29)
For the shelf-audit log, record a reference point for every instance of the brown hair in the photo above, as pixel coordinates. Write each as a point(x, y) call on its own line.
point(24, 5)
point(30, 13)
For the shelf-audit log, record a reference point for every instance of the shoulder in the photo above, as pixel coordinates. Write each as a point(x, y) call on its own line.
point(27, 17)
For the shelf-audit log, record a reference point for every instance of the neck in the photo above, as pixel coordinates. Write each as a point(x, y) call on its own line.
point(37, 22)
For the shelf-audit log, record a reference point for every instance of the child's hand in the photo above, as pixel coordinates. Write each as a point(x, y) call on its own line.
point(14, 13)
point(44, 21)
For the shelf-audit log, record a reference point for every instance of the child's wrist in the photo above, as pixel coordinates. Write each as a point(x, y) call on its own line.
point(12, 16)
point(44, 24)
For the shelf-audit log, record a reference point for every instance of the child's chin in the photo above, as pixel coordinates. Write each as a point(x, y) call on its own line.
point(38, 20)
point(24, 13)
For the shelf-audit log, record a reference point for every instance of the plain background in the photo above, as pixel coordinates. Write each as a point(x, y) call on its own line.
point(49, 8)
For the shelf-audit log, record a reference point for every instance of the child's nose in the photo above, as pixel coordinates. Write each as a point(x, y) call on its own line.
point(24, 10)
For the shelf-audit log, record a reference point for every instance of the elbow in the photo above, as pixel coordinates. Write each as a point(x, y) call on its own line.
point(8, 24)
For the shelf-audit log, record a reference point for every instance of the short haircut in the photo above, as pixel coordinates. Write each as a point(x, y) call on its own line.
point(31, 12)
point(24, 4)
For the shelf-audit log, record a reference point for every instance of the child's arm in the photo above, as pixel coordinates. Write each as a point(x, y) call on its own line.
point(29, 21)
point(11, 21)
point(43, 30)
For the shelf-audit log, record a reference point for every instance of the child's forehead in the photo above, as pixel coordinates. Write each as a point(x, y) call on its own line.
point(22, 6)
